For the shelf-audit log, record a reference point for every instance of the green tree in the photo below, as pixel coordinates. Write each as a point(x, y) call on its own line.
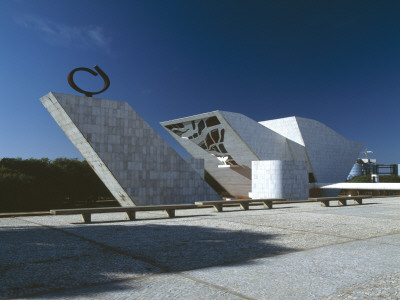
point(42, 184)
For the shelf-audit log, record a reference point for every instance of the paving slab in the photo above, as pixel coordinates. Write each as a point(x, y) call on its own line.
point(164, 286)
point(309, 274)
point(382, 287)
point(296, 251)
point(36, 259)
point(392, 239)
point(330, 224)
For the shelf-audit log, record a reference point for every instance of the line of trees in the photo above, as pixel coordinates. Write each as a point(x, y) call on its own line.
point(382, 178)
point(43, 184)
point(367, 179)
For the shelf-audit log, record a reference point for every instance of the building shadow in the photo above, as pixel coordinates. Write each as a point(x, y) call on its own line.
point(36, 260)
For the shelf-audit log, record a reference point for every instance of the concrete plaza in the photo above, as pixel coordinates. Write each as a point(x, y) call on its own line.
point(293, 251)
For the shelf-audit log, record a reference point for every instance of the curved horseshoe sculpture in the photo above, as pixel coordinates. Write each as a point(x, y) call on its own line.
point(99, 71)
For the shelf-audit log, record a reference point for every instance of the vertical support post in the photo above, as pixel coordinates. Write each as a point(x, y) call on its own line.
point(268, 204)
point(325, 203)
point(217, 207)
point(130, 215)
point(342, 202)
point(244, 205)
point(86, 217)
point(170, 212)
point(358, 201)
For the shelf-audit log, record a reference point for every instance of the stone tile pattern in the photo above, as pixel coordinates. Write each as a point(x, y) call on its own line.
point(328, 155)
point(197, 164)
point(294, 251)
point(237, 180)
point(246, 141)
point(279, 179)
point(135, 163)
point(331, 156)
point(286, 127)
point(75, 135)
point(264, 142)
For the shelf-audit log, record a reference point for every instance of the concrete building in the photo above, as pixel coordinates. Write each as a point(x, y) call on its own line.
point(275, 158)
point(133, 161)
point(269, 159)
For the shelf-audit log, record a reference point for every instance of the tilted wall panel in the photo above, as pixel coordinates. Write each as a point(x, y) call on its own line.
point(126, 152)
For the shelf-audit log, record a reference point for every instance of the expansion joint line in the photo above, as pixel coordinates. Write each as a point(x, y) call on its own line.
point(351, 239)
point(164, 269)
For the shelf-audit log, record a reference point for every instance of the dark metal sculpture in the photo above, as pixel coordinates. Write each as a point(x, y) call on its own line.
point(99, 71)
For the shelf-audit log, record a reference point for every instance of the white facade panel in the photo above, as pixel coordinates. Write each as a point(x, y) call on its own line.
point(326, 154)
point(280, 179)
point(133, 161)
point(331, 155)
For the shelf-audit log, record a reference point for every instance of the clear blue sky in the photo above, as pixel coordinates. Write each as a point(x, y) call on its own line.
point(337, 62)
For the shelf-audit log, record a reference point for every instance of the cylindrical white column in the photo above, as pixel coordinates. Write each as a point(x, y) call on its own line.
point(280, 179)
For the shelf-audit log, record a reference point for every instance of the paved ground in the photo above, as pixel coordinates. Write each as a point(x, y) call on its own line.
point(294, 251)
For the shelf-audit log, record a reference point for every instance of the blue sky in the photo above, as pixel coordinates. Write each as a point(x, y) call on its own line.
point(337, 62)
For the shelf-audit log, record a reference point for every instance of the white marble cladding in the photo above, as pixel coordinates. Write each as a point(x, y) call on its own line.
point(126, 153)
point(280, 179)
point(246, 141)
point(330, 155)
point(286, 127)
point(197, 164)
point(237, 181)
point(264, 142)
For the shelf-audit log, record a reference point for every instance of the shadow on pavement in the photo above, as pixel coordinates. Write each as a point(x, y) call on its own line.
point(35, 260)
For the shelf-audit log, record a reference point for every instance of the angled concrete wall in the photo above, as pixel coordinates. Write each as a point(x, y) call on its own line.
point(134, 162)
point(330, 155)
point(237, 179)
point(323, 152)
point(241, 139)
